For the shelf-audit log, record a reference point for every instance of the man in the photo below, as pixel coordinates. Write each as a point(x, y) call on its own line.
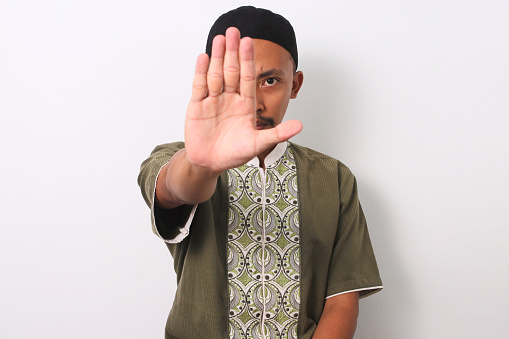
point(268, 237)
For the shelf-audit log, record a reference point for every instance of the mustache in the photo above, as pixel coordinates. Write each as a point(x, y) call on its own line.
point(266, 120)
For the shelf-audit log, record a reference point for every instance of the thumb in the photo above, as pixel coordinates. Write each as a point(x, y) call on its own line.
point(282, 132)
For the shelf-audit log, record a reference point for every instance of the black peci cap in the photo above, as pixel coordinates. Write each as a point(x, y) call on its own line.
point(256, 23)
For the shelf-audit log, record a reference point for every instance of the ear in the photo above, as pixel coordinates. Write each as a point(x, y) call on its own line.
point(298, 79)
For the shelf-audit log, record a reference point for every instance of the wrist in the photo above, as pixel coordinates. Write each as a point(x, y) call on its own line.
point(186, 183)
point(197, 171)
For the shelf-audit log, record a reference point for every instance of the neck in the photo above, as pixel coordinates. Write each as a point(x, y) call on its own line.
point(263, 155)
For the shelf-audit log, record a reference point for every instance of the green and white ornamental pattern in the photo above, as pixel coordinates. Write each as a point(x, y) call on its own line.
point(264, 250)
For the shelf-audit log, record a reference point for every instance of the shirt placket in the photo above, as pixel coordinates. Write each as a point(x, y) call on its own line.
point(263, 177)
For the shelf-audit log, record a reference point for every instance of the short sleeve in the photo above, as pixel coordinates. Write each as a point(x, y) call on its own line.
point(353, 265)
point(171, 225)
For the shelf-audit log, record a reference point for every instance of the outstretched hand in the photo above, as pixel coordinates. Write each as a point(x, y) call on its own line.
point(220, 129)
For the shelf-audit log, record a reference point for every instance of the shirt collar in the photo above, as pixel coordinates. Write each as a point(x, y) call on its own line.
point(272, 157)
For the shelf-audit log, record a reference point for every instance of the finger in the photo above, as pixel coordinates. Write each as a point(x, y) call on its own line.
point(231, 69)
point(282, 132)
point(200, 78)
point(247, 68)
point(215, 72)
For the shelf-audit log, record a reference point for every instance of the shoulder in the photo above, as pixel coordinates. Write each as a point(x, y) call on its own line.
point(320, 171)
point(309, 152)
point(314, 159)
point(160, 156)
point(169, 147)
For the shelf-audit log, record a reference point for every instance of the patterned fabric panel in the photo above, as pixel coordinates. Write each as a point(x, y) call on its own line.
point(264, 250)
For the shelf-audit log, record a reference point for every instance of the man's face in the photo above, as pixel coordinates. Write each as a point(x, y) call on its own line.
point(276, 82)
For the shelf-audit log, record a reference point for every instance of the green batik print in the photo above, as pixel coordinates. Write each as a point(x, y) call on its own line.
point(264, 271)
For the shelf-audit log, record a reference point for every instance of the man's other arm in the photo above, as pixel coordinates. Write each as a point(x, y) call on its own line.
point(339, 317)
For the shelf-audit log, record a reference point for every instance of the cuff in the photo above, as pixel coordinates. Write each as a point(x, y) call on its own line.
point(171, 225)
point(365, 287)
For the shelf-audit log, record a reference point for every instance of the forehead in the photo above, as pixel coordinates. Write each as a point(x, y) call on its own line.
point(271, 55)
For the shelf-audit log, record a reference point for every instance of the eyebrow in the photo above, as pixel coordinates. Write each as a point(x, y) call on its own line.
point(272, 71)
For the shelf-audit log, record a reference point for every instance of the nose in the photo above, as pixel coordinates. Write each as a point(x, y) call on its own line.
point(260, 107)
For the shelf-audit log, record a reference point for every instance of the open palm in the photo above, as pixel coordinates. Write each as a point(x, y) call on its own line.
point(220, 130)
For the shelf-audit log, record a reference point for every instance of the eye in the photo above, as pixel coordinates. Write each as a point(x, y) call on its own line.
point(269, 82)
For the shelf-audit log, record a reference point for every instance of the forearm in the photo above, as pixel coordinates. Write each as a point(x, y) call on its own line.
point(339, 317)
point(181, 183)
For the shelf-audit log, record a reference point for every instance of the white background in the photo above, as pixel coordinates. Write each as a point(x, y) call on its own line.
point(411, 95)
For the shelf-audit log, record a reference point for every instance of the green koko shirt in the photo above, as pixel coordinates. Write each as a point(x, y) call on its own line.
point(263, 254)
